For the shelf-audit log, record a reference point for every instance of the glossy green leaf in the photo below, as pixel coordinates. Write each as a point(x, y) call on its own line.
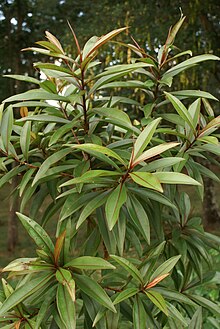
point(197, 320)
point(89, 263)
point(176, 315)
point(125, 294)
point(90, 176)
point(146, 179)
point(66, 307)
point(37, 233)
point(129, 267)
point(7, 126)
point(24, 291)
point(166, 267)
point(95, 203)
point(139, 314)
point(54, 158)
point(114, 202)
point(139, 217)
point(152, 152)
point(175, 178)
point(158, 300)
point(144, 138)
point(94, 290)
point(181, 109)
point(89, 148)
point(204, 302)
point(194, 93)
point(45, 118)
point(189, 63)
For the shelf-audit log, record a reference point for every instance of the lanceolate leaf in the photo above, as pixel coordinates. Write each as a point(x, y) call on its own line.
point(165, 268)
point(147, 180)
point(66, 307)
point(114, 203)
point(154, 151)
point(49, 162)
point(139, 216)
point(90, 263)
point(144, 138)
point(24, 291)
point(37, 233)
point(129, 267)
point(181, 109)
point(94, 290)
point(90, 176)
point(189, 63)
point(91, 206)
point(158, 300)
point(125, 294)
point(139, 314)
point(175, 178)
point(89, 148)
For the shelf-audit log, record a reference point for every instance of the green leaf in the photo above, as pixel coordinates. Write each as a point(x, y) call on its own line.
point(90, 148)
point(197, 320)
point(204, 302)
point(89, 263)
point(139, 314)
point(66, 307)
point(90, 176)
point(161, 163)
point(175, 296)
point(129, 267)
point(9, 175)
point(189, 63)
point(194, 93)
point(114, 203)
point(93, 289)
point(49, 162)
point(181, 109)
point(175, 178)
point(37, 233)
point(118, 115)
point(176, 315)
point(158, 300)
point(125, 294)
point(44, 118)
point(152, 152)
point(92, 206)
point(24, 291)
point(144, 138)
point(165, 268)
point(146, 179)
point(22, 78)
point(25, 139)
point(7, 126)
point(139, 217)
point(36, 94)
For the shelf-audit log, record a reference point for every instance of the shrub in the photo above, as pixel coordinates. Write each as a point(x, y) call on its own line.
point(128, 251)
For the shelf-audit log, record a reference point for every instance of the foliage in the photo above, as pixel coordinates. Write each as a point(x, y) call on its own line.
point(128, 250)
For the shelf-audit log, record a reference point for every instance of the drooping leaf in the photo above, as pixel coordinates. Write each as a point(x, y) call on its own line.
point(24, 291)
point(49, 162)
point(66, 307)
point(129, 267)
point(139, 314)
point(114, 203)
point(94, 290)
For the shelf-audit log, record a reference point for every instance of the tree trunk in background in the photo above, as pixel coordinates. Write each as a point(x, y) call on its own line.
point(210, 205)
